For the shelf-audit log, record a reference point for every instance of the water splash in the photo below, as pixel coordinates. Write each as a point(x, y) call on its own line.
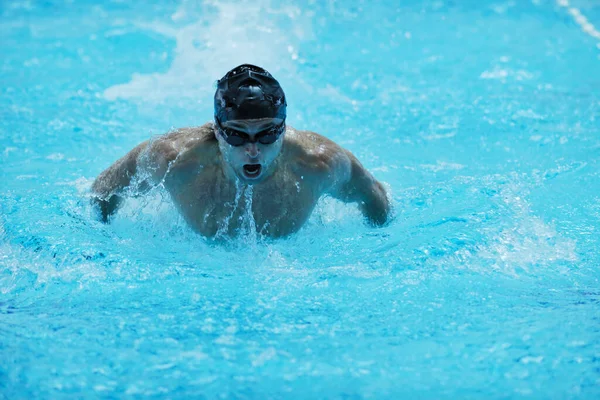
point(223, 231)
point(248, 226)
point(199, 59)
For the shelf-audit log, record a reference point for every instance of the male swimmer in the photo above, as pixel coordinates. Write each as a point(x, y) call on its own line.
point(247, 149)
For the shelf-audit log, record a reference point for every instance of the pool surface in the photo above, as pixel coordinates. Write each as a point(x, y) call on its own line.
point(482, 117)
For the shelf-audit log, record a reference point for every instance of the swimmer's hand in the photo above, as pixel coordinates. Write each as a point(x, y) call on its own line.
point(104, 208)
point(375, 205)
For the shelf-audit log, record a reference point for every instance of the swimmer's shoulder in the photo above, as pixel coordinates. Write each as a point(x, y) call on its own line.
point(187, 144)
point(314, 152)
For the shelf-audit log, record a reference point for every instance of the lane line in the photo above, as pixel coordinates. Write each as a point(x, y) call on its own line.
point(580, 19)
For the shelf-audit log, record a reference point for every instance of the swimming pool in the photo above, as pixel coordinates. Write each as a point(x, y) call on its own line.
point(482, 117)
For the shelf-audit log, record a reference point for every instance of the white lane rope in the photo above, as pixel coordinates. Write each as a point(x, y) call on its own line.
point(580, 19)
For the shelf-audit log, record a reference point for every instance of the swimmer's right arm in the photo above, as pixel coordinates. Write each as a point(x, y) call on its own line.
point(117, 182)
point(147, 165)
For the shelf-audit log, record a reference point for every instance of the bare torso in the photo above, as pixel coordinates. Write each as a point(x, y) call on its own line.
point(214, 204)
point(211, 203)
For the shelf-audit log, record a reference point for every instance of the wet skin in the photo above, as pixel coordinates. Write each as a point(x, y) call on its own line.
point(209, 180)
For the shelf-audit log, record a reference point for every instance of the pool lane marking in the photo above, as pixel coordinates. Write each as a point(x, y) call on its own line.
point(581, 20)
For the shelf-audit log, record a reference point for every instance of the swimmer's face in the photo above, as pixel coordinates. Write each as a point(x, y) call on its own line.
point(251, 146)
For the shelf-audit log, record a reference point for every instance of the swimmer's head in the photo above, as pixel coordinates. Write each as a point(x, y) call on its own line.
point(249, 92)
point(250, 111)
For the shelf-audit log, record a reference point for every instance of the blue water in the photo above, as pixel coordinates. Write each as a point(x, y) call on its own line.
point(482, 117)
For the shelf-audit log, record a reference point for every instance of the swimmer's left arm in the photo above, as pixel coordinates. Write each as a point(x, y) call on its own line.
point(353, 183)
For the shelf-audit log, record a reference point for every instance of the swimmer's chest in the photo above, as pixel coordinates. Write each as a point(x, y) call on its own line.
point(212, 204)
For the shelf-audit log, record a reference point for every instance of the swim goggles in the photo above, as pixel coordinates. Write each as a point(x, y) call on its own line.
point(237, 138)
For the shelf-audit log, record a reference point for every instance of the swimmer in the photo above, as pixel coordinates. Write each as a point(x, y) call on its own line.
point(247, 149)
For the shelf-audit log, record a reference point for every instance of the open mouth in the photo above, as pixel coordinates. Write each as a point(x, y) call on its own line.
point(252, 170)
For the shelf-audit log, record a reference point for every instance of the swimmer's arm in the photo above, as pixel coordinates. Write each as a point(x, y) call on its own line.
point(109, 187)
point(117, 182)
point(353, 183)
point(147, 165)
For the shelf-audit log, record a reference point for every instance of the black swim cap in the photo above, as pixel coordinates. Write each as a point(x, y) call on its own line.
point(248, 92)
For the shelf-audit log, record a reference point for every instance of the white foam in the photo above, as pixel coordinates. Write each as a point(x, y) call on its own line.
point(437, 136)
point(502, 74)
point(26, 177)
point(497, 73)
point(205, 49)
point(442, 166)
point(527, 114)
point(527, 240)
point(528, 243)
point(18, 259)
point(55, 157)
point(8, 150)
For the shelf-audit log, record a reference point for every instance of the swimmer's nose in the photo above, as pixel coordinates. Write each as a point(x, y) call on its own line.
point(252, 150)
